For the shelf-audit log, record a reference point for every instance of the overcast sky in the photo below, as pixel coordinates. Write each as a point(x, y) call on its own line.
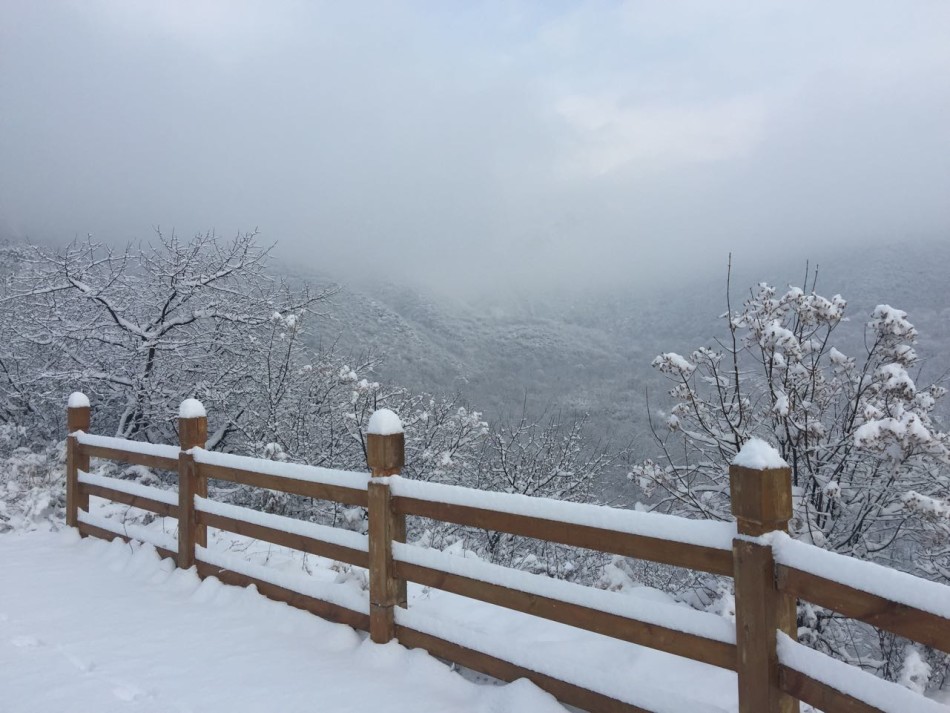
point(480, 144)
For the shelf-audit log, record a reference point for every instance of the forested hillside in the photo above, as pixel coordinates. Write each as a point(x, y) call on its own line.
point(589, 349)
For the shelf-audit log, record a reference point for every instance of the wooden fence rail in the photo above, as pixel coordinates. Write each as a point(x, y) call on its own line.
point(766, 591)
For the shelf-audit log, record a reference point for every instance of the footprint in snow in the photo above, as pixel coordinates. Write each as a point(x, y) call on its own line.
point(128, 693)
point(81, 664)
point(23, 642)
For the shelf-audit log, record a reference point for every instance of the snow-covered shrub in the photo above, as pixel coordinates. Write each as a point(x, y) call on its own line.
point(869, 464)
point(32, 489)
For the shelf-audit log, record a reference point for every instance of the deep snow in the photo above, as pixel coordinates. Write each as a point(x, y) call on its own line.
point(97, 627)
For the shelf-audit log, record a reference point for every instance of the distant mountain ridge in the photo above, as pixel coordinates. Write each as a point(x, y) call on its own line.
point(587, 351)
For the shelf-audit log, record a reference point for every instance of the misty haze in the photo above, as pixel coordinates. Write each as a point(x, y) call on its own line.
point(593, 253)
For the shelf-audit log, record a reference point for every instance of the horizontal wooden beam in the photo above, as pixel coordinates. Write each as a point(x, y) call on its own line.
point(653, 636)
point(506, 671)
point(117, 454)
point(293, 486)
point(679, 554)
point(87, 530)
point(136, 501)
point(310, 545)
point(820, 695)
point(900, 619)
point(323, 609)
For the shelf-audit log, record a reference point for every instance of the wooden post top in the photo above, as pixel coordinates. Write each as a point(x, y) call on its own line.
point(385, 454)
point(192, 425)
point(78, 413)
point(385, 444)
point(761, 499)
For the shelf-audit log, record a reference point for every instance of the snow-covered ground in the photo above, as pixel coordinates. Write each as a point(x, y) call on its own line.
point(95, 627)
point(92, 625)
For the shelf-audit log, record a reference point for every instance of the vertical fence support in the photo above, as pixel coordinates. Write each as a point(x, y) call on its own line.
point(385, 456)
point(78, 417)
point(192, 433)
point(761, 502)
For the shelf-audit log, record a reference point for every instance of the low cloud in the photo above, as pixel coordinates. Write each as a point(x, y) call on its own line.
point(609, 135)
point(482, 147)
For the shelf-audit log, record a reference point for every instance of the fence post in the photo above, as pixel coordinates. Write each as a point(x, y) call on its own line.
point(385, 456)
point(78, 417)
point(192, 433)
point(761, 503)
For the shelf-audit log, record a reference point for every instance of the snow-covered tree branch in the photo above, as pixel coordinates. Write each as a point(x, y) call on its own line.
point(869, 463)
point(144, 327)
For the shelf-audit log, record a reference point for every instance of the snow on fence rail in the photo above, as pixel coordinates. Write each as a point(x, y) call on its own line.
point(770, 570)
point(695, 544)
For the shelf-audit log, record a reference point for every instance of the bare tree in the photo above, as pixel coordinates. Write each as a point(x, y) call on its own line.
point(869, 464)
point(144, 327)
point(551, 456)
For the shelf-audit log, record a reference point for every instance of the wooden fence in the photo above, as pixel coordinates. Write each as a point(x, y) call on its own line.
point(773, 671)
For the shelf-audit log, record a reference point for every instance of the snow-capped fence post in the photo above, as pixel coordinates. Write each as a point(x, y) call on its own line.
point(385, 456)
point(78, 417)
point(761, 492)
point(192, 433)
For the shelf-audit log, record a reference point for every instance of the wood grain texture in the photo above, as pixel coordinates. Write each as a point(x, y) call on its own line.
point(577, 696)
point(761, 611)
point(325, 610)
point(386, 590)
point(136, 501)
point(385, 455)
point(820, 695)
point(303, 543)
point(77, 419)
point(87, 530)
point(657, 637)
point(900, 619)
point(192, 432)
point(187, 524)
point(761, 500)
point(72, 482)
point(705, 559)
point(320, 491)
point(117, 454)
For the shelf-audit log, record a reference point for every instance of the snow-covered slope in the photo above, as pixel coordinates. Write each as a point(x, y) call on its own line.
point(108, 627)
point(589, 349)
